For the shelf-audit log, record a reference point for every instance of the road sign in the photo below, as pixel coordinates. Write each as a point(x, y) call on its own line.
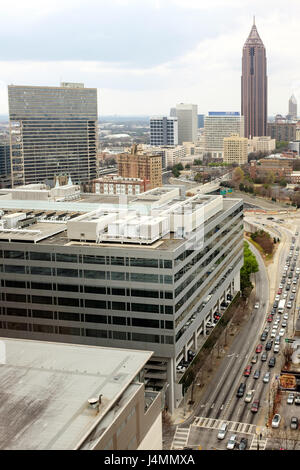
point(289, 340)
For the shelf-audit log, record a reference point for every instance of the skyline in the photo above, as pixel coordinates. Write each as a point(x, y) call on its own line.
point(201, 48)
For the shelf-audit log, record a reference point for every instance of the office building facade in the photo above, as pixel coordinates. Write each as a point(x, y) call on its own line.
point(163, 130)
point(123, 279)
point(217, 126)
point(187, 122)
point(282, 130)
point(254, 85)
point(53, 130)
point(235, 149)
point(5, 163)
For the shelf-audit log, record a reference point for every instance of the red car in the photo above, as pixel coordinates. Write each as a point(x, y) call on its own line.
point(279, 291)
point(270, 318)
point(247, 371)
point(255, 406)
point(258, 348)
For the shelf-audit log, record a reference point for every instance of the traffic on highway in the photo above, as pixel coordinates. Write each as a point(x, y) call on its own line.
point(237, 409)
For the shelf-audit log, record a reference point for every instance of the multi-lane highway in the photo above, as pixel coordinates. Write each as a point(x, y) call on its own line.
point(219, 402)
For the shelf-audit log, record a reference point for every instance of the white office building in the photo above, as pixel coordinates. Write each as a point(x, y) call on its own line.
point(187, 115)
point(163, 130)
point(217, 126)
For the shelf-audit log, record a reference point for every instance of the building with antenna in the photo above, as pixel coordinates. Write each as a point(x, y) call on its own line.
point(254, 85)
point(292, 108)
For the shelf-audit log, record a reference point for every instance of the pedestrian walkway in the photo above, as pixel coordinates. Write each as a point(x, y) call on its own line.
point(180, 438)
point(233, 426)
point(258, 444)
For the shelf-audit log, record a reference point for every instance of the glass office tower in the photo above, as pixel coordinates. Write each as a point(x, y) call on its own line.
point(53, 131)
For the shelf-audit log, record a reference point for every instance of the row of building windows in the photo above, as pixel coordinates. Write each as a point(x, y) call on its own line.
point(93, 333)
point(88, 274)
point(104, 319)
point(87, 259)
point(88, 303)
point(100, 290)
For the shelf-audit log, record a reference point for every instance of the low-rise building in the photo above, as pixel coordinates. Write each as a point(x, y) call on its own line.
point(261, 144)
point(113, 184)
point(76, 397)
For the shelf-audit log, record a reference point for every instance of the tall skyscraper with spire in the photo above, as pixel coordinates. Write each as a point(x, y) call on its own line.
point(293, 107)
point(254, 85)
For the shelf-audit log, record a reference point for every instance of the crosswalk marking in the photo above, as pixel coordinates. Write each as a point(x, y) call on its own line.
point(180, 438)
point(235, 426)
point(254, 443)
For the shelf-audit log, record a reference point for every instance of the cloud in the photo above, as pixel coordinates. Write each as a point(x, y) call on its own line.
point(144, 57)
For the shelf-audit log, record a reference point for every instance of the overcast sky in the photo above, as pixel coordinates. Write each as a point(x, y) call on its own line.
point(144, 56)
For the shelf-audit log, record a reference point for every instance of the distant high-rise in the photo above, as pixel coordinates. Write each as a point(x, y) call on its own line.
point(53, 130)
point(187, 122)
point(163, 130)
point(217, 126)
point(201, 121)
point(254, 85)
point(293, 107)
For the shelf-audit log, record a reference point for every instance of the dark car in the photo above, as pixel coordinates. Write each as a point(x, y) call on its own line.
point(243, 444)
point(255, 406)
point(264, 336)
point(272, 361)
point(241, 390)
point(275, 305)
point(264, 356)
point(269, 345)
point(256, 374)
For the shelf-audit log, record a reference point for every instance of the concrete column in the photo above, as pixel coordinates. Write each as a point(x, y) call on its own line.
point(204, 328)
point(237, 284)
point(211, 314)
point(170, 392)
point(195, 340)
point(185, 350)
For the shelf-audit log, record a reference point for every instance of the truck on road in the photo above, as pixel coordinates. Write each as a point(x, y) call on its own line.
point(281, 306)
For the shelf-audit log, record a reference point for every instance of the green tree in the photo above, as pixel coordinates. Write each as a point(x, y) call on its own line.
point(250, 266)
point(198, 177)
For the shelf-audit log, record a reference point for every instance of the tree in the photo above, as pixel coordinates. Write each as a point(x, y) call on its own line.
point(198, 177)
point(237, 176)
point(250, 266)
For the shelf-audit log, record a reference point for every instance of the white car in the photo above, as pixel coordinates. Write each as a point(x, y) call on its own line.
point(286, 316)
point(284, 324)
point(294, 281)
point(256, 305)
point(273, 333)
point(290, 399)
point(232, 441)
point(276, 348)
point(266, 378)
point(289, 305)
point(294, 290)
point(277, 297)
point(285, 295)
point(249, 396)
point(280, 286)
point(281, 332)
point(276, 421)
point(275, 326)
point(222, 430)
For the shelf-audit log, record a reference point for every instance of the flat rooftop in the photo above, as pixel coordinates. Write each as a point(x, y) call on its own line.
point(45, 388)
